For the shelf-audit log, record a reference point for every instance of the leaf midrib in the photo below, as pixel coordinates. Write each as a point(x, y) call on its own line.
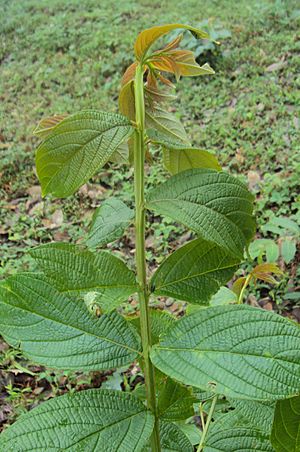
point(170, 349)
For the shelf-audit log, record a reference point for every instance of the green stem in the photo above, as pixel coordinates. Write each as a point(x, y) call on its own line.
point(201, 415)
point(139, 184)
point(206, 427)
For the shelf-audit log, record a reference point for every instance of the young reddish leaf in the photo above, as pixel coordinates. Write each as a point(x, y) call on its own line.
point(173, 44)
point(264, 272)
point(46, 125)
point(152, 90)
point(151, 80)
point(156, 95)
point(192, 70)
point(147, 37)
point(165, 81)
point(129, 74)
point(166, 63)
point(180, 62)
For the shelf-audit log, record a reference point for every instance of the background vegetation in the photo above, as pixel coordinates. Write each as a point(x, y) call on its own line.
point(63, 56)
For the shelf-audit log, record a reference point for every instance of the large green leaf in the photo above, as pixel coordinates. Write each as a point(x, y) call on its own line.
point(285, 435)
point(239, 351)
point(172, 439)
point(166, 124)
point(238, 440)
point(95, 420)
point(74, 269)
point(175, 401)
point(77, 148)
point(109, 222)
point(59, 331)
point(194, 272)
point(216, 205)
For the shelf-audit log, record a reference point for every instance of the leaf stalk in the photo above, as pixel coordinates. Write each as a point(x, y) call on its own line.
point(206, 427)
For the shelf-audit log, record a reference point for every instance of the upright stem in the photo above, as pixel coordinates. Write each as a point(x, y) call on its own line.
point(139, 160)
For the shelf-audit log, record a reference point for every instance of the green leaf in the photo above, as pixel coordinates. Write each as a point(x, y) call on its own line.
point(167, 124)
point(175, 402)
point(59, 331)
point(252, 417)
point(223, 296)
point(121, 154)
point(109, 222)
point(194, 272)
point(288, 250)
point(285, 435)
point(201, 395)
point(282, 226)
point(228, 421)
point(178, 157)
point(172, 439)
point(217, 206)
point(95, 420)
point(259, 247)
point(239, 351)
point(77, 148)
point(191, 431)
point(74, 269)
point(247, 414)
point(238, 440)
point(177, 160)
point(160, 321)
point(258, 414)
point(127, 100)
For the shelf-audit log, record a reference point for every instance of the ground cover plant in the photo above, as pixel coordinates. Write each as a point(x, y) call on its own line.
point(244, 353)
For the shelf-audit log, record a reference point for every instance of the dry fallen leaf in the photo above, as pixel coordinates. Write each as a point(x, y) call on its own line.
point(35, 192)
point(276, 66)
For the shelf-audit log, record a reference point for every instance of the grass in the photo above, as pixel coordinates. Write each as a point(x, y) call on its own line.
point(63, 56)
